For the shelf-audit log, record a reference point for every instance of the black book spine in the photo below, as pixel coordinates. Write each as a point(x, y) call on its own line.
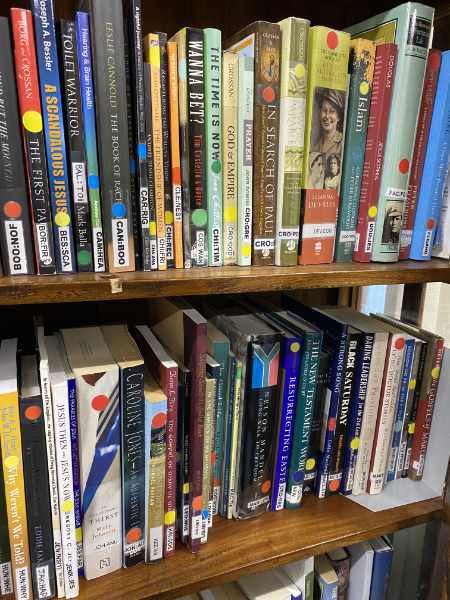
point(197, 143)
point(150, 168)
point(75, 143)
point(183, 455)
point(15, 231)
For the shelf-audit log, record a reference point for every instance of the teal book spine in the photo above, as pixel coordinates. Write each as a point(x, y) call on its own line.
point(213, 129)
point(410, 26)
point(362, 62)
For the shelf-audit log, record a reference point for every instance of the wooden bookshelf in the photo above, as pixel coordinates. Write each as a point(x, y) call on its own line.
point(245, 547)
point(219, 280)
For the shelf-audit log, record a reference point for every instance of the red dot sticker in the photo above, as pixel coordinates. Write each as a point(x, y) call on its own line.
point(332, 40)
point(403, 166)
point(434, 60)
point(331, 424)
point(33, 412)
point(213, 458)
point(197, 503)
point(12, 209)
point(333, 486)
point(159, 420)
point(430, 223)
point(134, 535)
point(99, 402)
point(268, 94)
point(400, 343)
point(266, 486)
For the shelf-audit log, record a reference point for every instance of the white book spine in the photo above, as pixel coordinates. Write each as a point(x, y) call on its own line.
point(61, 419)
point(370, 413)
point(6, 579)
point(386, 413)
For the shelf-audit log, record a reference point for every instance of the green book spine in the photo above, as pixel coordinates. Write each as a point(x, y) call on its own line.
point(6, 582)
point(213, 127)
point(303, 418)
point(409, 26)
point(362, 62)
point(294, 50)
point(245, 158)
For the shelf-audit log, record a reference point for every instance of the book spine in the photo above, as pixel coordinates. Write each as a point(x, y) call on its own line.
point(380, 106)
point(13, 477)
point(318, 217)
point(65, 488)
point(112, 131)
point(394, 450)
point(183, 465)
point(386, 413)
point(133, 464)
point(232, 485)
point(90, 139)
point(170, 385)
point(359, 394)
point(16, 241)
point(441, 246)
point(37, 497)
point(177, 194)
point(424, 415)
point(207, 450)
point(167, 168)
point(420, 146)
point(361, 67)
point(292, 135)
point(229, 134)
point(150, 167)
point(220, 354)
point(33, 135)
point(6, 579)
point(434, 169)
point(245, 159)
point(50, 85)
point(227, 435)
point(213, 132)
point(76, 472)
point(77, 155)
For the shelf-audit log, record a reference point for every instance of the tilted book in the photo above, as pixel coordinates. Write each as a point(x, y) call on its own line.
point(15, 232)
point(262, 41)
point(409, 26)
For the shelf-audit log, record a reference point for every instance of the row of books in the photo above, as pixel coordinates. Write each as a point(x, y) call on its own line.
point(205, 410)
point(359, 572)
point(294, 144)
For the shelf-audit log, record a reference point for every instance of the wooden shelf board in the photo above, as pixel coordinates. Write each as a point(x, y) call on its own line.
point(83, 287)
point(245, 547)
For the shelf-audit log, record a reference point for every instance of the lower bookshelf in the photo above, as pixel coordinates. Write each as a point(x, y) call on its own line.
point(239, 548)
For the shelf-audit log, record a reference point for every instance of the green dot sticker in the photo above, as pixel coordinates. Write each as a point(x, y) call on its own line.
point(84, 257)
point(199, 217)
point(216, 167)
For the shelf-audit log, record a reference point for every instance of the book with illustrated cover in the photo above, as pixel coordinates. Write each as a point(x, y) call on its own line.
point(16, 240)
point(262, 41)
point(90, 138)
point(36, 480)
point(150, 166)
point(52, 110)
point(409, 26)
point(13, 475)
point(131, 382)
point(293, 80)
point(98, 399)
point(6, 580)
point(33, 136)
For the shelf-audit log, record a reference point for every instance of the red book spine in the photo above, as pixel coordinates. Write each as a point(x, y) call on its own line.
point(169, 379)
point(383, 78)
point(424, 416)
point(420, 146)
point(318, 226)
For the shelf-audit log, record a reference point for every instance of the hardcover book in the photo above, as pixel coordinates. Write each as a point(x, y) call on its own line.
point(318, 215)
point(381, 570)
point(360, 571)
point(58, 174)
point(262, 41)
point(293, 81)
point(362, 59)
point(33, 136)
point(97, 382)
point(131, 383)
point(409, 26)
point(107, 35)
point(6, 580)
point(16, 241)
point(441, 247)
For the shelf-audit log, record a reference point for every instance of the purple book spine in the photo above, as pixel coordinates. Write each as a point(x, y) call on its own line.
point(75, 470)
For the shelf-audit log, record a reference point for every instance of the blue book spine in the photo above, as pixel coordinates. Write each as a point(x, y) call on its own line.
point(46, 49)
point(356, 413)
point(72, 392)
point(434, 170)
point(381, 570)
point(401, 407)
point(229, 401)
point(289, 378)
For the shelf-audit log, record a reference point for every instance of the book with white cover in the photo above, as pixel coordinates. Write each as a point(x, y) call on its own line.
point(285, 580)
point(360, 571)
point(263, 586)
point(226, 591)
point(296, 573)
point(434, 314)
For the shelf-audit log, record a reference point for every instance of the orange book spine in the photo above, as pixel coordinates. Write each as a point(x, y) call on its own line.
point(318, 226)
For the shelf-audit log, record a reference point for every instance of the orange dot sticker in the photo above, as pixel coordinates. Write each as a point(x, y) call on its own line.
point(99, 402)
point(159, 420)
point(268, 94)
point(430, 223)
point(403, 166)
point(331, 424)
point(332, 40)
point(266, 486)
point(197, 503)
point(32, 413)
point(12, 209)
point(213, 458)
point(134, 535)
point(372, 212)
point(333, 486)
point(400, 344)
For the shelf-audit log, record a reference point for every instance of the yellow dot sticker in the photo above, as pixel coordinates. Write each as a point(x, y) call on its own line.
point(246, 250)
point(295, 347)
point(412, 384)
point(364, 88)
point(62, 219)
point(67, 506)
point(169, 217)
point(411, 428)
point(79, 534)
point(310, 464)
point(152, 228)
point(300, 71)
point(11, 462)
point(372, 212)
point(185, 488)
point(354, 444)
point(435, 372)
point(32, 121)
point(169, 517)
point(230, 213)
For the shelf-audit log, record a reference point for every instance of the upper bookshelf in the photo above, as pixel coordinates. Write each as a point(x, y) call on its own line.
point(219, 280)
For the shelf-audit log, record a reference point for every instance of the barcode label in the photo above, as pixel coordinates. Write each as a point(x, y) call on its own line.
point(6, 581)
point(15, 244)
point(196, 527)
point(22, 586)
point(281, 496)
point(156, 543)
point(43, 582)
